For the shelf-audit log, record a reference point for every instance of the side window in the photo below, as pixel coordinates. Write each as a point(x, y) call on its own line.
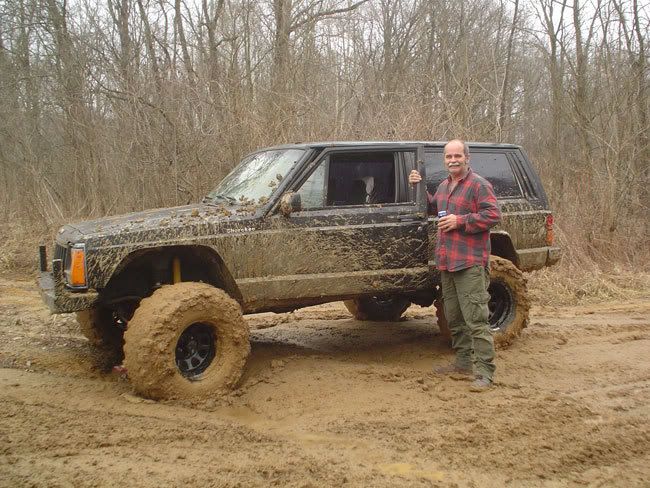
point(493, 166)
point(353, 178)
point(435, 170)
point(312, 191)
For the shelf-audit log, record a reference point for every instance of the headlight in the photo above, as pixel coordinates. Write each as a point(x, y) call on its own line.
point(75, 266)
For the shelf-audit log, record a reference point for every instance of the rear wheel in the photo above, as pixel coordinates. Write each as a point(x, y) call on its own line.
point(378, 309)
point(186, 341)
point(509, 305)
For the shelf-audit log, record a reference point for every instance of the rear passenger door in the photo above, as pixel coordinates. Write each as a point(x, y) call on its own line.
point(361, 229)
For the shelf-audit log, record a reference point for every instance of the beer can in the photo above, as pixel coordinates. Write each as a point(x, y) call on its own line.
point(442, 213)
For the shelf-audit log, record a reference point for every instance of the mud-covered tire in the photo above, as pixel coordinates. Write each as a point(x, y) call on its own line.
point(98, 326)
point(445, 333)
point(162, 330)
point(378, 309)
point(509, 305)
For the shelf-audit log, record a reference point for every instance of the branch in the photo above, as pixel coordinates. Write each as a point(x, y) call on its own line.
point(319, 15)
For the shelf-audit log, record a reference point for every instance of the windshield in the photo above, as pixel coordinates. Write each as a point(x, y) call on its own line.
point(257, 176)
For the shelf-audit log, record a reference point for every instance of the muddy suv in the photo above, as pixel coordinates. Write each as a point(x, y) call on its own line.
point(291, 226)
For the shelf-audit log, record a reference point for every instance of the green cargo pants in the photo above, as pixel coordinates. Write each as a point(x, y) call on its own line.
point(465, 298)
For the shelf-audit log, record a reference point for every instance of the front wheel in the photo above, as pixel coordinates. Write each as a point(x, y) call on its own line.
point(378, 309)
point(186, 341)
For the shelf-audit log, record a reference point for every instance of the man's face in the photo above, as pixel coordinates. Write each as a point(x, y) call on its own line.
point(456, 162)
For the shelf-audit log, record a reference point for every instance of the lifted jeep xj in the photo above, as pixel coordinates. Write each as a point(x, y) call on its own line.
point(290, 226)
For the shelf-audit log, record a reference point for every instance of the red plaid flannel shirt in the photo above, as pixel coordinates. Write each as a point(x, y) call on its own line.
point(475, 204)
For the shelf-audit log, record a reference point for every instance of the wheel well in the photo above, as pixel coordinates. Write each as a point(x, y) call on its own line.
point(141, 272)
point(502, 246)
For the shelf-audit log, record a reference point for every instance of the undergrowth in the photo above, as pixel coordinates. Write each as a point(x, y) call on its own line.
point(588, 274)
point(570, 285)
point(19, 243)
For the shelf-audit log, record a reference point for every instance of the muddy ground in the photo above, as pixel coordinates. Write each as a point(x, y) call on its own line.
point(330, 401)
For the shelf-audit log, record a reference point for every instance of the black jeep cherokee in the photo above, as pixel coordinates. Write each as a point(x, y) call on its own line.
point(290, 226)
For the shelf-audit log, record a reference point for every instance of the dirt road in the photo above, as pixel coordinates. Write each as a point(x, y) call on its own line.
point(330, 401)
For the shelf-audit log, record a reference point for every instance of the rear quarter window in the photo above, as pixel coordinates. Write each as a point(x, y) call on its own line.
point(493, 166)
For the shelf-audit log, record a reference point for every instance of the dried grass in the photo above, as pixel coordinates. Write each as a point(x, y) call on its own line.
point(566, 284)
point(19, 243)
point(615, 269)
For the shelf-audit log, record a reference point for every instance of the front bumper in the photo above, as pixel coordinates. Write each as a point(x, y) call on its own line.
point(57, 297)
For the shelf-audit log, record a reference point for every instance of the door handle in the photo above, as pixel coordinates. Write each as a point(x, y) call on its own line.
point(415, 220)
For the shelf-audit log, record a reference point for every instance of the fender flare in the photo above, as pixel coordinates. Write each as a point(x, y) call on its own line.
point(213, 269)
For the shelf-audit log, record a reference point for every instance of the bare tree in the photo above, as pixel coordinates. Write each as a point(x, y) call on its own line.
point(139, 103)
point(505, 91)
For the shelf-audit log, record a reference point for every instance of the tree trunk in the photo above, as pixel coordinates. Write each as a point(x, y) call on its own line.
point(503, 107)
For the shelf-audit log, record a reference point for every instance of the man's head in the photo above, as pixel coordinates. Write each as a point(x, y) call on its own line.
point(456, 156)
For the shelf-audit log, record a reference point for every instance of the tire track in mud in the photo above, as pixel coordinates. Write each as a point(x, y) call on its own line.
point(107, 437)
point(329, 401)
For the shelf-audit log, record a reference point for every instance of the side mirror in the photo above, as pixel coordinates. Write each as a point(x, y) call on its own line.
point(290, 202)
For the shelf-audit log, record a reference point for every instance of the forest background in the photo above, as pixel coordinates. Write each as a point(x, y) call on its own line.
point(124, 105)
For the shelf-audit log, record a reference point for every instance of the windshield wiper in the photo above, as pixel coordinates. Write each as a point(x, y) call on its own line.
point(219, 197)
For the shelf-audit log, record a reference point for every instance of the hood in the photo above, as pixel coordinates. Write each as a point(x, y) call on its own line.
point(150, 220)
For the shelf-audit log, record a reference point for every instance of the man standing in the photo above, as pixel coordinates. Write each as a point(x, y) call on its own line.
point(462, 254)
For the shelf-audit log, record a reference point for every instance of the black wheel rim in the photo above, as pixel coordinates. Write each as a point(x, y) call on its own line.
point(501, 305)
point(195, 350)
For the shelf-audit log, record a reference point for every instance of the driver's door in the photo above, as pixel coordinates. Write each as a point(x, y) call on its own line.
point(361, 229)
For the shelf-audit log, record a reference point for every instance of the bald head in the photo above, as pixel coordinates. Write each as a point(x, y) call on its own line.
point(456, 158)
point(456, 143)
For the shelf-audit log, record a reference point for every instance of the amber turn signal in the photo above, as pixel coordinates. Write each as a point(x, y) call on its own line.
point(77, 266)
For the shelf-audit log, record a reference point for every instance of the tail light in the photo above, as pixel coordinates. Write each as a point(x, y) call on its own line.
point(550, 235)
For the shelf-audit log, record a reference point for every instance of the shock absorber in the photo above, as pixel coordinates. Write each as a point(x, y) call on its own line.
point(176, 270)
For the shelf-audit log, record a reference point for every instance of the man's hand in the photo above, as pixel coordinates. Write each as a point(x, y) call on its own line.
point(448, 222)
point(414, 177)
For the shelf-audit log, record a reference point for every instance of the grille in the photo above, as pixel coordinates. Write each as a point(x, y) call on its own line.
point(59, 252)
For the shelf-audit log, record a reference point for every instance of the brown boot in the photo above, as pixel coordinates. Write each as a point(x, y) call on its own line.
point(481, 384)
